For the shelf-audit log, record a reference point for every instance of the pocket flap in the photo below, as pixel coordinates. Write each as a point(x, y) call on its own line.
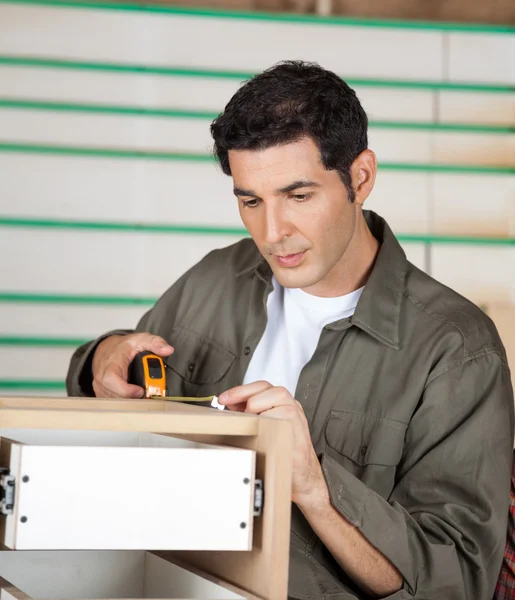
point(366, 439)
point(198, 359)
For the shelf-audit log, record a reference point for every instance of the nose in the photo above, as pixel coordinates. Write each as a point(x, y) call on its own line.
point(277, 225)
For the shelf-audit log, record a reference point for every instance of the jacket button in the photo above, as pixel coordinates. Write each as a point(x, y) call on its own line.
point(363, 450)
point(191, 366)
point(246, 351)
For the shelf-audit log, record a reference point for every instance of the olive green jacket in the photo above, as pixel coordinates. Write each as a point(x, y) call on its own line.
point(410, 408)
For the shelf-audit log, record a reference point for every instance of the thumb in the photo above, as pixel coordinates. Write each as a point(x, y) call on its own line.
point(152, 343)
point(160, 346)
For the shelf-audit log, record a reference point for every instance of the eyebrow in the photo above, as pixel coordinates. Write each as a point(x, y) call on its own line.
point(300, 183)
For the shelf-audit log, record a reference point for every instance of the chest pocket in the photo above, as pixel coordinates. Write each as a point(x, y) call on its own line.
point(197, 365)
point(368, 446)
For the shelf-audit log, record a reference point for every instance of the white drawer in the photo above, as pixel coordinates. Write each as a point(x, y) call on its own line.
point(103, 575)
point(103, 490)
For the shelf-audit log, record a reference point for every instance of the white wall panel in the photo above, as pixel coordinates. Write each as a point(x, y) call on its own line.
point(116, 88)
point(396, 145)
point(125, 190)
point(65, 320)
point(482, 57)
point(481, 273)
point(90, 262)
point(146, 38)
point(476, 107)
point(105, 130)
point(392, 145)
point(21, 362)
point(474, 205)
point(382, 104)
point(68, 85)
point(474, 149)
point(416, 253)
point(403, 199)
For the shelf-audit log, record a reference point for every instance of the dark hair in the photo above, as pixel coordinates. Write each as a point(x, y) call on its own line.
point(287, 102)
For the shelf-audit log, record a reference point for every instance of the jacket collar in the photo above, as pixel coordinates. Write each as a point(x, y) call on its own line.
point(379, 309)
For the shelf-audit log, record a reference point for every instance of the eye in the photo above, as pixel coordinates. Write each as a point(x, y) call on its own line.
point(301, 197)
point(250, 203)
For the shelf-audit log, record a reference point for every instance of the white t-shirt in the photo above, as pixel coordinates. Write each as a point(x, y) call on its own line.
point(295, 322)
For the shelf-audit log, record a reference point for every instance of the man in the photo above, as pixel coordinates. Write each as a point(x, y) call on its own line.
point(398, 389)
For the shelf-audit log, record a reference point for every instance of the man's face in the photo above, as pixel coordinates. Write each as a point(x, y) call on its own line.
point(297, 212)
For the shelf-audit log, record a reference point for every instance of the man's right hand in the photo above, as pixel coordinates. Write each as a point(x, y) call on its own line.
point(112, 359)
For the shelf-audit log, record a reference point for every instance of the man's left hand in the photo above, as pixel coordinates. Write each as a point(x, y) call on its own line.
point(262, 398)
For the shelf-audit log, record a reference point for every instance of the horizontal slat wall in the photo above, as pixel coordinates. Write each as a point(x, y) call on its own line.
point(105, 157)
point(96, 262)
point(161, 39)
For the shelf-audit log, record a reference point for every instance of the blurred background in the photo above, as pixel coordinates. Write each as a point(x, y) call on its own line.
point(108, 191)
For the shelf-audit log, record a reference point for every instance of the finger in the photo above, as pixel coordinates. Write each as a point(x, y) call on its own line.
point(269, 399)
point(237, 407)
point(102, 392)
point(299, 406)
point(153, 343)
point(130, 391)
point(242, 393)
point(284, 413)
point(116, 386)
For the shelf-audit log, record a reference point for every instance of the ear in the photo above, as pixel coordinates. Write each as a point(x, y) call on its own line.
point(363, 173)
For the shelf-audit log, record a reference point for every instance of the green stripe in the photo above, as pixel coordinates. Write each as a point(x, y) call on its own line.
point(442, 168)
point(106, 109)
point(103, 152)
point(127, 227)
point(273, 17)
point(456, 239)
point(191, 157)
point(28, 61)
point(24, 384)
point(454, 127)
point(45, 63)
point(192, 114)
point(17, 297)
point(204, 230)
point(51, 342)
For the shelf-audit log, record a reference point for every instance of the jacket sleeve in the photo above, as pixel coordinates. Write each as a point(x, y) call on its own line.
point(444, 525)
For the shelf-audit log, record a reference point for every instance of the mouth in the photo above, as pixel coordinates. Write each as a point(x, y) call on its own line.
point(290, 260)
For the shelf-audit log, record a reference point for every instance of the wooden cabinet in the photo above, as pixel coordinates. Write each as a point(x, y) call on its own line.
point(109, 499)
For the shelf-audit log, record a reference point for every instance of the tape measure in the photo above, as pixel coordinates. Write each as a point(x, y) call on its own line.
point(148, 371)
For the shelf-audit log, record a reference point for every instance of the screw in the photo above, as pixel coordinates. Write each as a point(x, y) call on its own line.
point(23, 519)
point(246, 481)
point(25, 478)
point(243, 525)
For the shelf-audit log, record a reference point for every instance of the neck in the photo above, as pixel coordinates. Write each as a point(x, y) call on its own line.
point(353, 269)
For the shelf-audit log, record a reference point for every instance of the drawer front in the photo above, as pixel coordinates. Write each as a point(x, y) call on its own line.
point(123, 498)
